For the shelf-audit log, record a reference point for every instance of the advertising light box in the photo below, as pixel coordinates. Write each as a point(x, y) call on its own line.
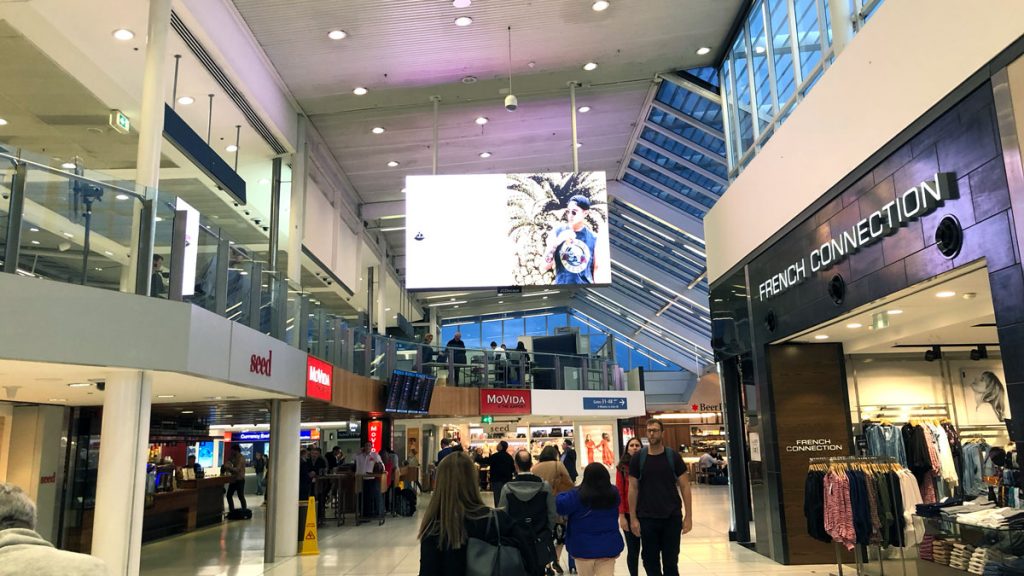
point(493, 230)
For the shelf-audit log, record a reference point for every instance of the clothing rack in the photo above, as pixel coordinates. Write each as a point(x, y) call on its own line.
point(858, 555)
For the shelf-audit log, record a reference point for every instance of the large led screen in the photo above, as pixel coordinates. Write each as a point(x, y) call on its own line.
point(495, 230)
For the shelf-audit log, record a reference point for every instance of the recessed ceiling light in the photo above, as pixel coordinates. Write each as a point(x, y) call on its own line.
point(485, 154)
point(579, 144)
point(403, 190)
point(68, 165)
point(969, 295)
point(186, 411)
point(121, 197)
point(359, 91)
point(461, 3)
point(264, 181)
point(945, 294)
point(600, 5)
point(821, 337)
point(229, 415)
point(165, 396)
point(501, 301)
point(186, 100)
point(159, 219)
point(590, 66)
point(123, 34)
point(854, 325)
point(703, 50)
point(544, 298)
point(232, 148)
point(33, 229)
point(337, 34)
point(470, 79)
point(481, 120)
point(69, 235)
point(36, 242)
point(58, 399)
point(392, 164)
point(456, 306)
point(80, 385)
point(3, 122)
point(98, 269)
point(583, 109)
point(463, 21)
point(377, 130)
point(108, 252)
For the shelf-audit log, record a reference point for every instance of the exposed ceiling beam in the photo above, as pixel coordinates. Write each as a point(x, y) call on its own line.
point(681, 179)
point(656, 209)
point(688, 164)
point(707, 152)
point(684, 358)
point(691, 335)
point(645, 270)
point(645, 110)
point(692, 87)
point(688, 119)
point(652, 182)
point(377, 210)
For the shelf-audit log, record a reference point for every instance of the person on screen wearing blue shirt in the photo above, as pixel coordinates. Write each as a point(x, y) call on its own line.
point(572, 248)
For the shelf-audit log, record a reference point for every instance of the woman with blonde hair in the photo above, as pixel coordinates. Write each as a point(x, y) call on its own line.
point(457, 513)
point(552, 471)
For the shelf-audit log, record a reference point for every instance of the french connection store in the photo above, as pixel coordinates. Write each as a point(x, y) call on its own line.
point(870, 340)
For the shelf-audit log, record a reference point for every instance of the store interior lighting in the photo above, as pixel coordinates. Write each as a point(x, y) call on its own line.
point(979, 353)
point(693, 416)
point(934, 354)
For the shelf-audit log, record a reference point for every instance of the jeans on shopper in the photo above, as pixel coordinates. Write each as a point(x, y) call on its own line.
point(659, 538)
point(237, 487)
point(261, 484)
point(632, 551)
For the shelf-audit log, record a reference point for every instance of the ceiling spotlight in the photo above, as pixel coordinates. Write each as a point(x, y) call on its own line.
point(392, 164)
point(945, 294)
point(461, 3)
point(895, 312)
point(33, 229)
point(377, 130)
point(481, 120)
point(4, 122)
point(68, 165)
point(360, 91)
point(703, 50)
point(979, 353)
point(186, 411)
point(186, 100)
point(463, 21)
point(821, 337)
point(80, 385)
point(232, 148)
point(583, 109)
point(35, 242)
point(121, 197)
point(337, 34)
point(934, 354)
point(485, 154)
point(854, 325)
point(600, 5)
point(124, 34)
point(589, 66)
point(165, 395)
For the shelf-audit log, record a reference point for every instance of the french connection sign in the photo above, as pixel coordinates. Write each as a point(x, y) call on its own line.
point(911, 205)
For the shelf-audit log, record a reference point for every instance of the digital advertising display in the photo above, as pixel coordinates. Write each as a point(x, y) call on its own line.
point(496, 230)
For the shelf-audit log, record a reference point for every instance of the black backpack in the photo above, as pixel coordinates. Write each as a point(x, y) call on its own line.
point(405, 503)
point(532, 514)
point(670, 454)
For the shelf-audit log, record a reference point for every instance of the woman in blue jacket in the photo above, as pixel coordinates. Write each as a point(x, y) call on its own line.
point(592, 532)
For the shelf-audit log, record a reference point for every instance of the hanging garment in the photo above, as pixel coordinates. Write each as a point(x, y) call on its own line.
point(897, 532)
point(814, 505)
point(945, 451)
point(973, 457)
point(838, 511)
point(886, 509)
point(911, 498)
point(918, 459)
point(886, 440)
point(860, 507)
point(876, 523)
point(956, 448)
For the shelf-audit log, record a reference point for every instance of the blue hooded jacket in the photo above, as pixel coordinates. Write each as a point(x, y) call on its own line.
point(590, 533)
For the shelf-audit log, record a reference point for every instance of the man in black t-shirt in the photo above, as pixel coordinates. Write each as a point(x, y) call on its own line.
point(657, 478)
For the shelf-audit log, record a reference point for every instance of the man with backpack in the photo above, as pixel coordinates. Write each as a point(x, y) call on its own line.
point(528, 499)
point(657, 478)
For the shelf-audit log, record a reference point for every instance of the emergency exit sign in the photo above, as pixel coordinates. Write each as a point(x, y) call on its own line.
point(486, 419)
point(119, 121)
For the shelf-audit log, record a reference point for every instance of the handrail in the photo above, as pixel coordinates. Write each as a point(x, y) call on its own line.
point(66, 174)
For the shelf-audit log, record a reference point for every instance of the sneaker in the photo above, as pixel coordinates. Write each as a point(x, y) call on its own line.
point(557, 567)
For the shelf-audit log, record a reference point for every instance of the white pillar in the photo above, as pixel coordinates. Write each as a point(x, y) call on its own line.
point(382, 298)
point(284, 475)
point(841, 15)
point(121, 485)
point(151, 122)
point(297, 204)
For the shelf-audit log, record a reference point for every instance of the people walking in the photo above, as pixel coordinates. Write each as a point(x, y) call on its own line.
point(259, 464)
point(457, 513)
point(528, 499)
point(591, 509)
point(633, 446)
point(569, 459)
point(235, 467)
point(501, 469)
point(659, 491)
point(554, 473)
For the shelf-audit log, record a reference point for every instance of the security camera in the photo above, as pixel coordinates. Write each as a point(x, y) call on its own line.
point(511, 102)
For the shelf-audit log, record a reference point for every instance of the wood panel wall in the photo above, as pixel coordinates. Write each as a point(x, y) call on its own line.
point(451, 401)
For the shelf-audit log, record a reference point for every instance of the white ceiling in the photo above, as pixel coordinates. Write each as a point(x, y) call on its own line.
point(967, 318)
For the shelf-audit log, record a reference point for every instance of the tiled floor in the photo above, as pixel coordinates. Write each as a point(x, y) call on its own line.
point(236, 549)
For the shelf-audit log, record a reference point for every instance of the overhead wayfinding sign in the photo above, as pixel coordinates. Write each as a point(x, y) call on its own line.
point(911, 205)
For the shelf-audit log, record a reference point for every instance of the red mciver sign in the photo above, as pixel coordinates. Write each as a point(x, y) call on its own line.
point(319, 379)
point(498, 401)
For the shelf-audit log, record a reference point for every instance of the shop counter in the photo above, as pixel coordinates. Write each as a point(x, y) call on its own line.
point(194, 504)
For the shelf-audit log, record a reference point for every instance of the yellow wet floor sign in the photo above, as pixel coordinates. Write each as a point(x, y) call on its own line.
point(309, 541)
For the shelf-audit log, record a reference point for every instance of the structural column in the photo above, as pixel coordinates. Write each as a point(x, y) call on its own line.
point(842, 23)
point(382, 300)
point(121, 484)
point(151, 129)
point(285, 421)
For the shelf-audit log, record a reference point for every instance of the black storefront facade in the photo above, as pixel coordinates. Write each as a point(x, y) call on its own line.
point(946, 194)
